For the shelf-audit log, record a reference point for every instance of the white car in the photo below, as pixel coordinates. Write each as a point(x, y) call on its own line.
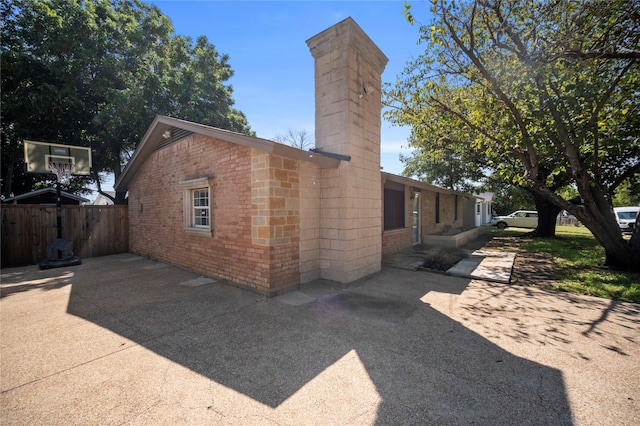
point(626, 217)
point(517, 219)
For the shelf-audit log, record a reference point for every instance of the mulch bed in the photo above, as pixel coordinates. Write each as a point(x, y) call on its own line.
point(439, 259)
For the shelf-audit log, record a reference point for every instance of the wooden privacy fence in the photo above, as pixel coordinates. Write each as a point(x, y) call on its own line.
point(27, 231)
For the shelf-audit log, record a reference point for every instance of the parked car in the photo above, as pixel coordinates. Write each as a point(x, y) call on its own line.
point(517, 219)
point(626, 217)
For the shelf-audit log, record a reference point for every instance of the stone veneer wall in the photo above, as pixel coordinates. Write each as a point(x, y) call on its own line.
point(275, 215)
point(348, 68)
point(235, 250)
point(310, 191)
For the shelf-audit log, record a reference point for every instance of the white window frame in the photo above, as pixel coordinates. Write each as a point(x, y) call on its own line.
point(200, 211)
point(189, 188)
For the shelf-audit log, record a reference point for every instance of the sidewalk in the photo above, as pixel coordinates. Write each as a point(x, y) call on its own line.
point(482, 263)
point(485, 264)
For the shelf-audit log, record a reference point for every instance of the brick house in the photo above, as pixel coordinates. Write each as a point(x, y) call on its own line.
point(269, 216)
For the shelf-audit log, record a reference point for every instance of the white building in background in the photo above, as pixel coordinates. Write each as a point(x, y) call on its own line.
point(101, 200)
point(483, 208)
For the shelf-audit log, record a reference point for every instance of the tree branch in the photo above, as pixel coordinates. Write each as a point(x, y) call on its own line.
point(607, 94)
point(100, 191)
point(532, 163)
point(624, 176)
point(484, 132)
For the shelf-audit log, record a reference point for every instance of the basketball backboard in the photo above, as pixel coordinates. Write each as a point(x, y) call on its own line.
point(38, 155)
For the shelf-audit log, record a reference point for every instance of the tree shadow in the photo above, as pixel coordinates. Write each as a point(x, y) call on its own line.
point(528, 314)
point(426, 367)
point(19, 280)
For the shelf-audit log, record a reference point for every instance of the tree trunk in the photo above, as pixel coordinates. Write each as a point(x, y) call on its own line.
point(618, 252)
point(598, 216)
point(9, 176)
point(595, 212)
point(635, 239)
point(547, 215)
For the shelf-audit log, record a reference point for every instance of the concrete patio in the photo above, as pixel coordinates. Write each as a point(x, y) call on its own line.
point(119, 340)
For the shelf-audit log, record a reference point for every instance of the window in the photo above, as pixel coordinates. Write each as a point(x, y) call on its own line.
point(455, 209)
point(393, 209)
point(197, 205)
point(437, 207)
point(200, 209)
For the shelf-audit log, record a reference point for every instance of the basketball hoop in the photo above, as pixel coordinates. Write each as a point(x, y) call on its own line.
point(63, 170)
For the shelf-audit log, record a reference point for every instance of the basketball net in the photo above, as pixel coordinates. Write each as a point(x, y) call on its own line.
point(63, 170)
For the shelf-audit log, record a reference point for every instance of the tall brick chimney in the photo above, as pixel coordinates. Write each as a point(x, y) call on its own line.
point(348, 70)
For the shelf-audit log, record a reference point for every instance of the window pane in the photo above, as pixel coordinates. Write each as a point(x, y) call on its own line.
point(393, 209)
point(200, 208)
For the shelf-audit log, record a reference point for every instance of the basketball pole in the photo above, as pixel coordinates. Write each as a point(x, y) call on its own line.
point(60, 252)
point(60, 159)
point(59, 208)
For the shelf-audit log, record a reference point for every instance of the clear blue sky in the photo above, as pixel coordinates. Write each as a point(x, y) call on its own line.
point(266, 43)
point(273, 68)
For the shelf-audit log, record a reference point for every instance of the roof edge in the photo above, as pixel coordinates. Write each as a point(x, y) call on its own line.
point(43, 191)
point(422, 185)
point(161, 124)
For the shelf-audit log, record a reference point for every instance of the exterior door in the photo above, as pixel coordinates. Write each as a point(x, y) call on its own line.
point(416, 219)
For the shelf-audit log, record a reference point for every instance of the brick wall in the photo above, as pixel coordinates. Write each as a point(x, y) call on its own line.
point(156, 214)
point(447, 212)
point(396, 240)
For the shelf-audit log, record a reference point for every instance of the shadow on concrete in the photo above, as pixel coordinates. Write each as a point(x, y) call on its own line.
point(426, 367)
point(18, 281)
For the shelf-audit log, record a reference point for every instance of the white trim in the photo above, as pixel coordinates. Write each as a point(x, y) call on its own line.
point(197, 183)
point(188, 187)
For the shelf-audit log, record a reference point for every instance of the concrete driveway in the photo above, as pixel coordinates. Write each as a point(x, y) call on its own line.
point(126, 340)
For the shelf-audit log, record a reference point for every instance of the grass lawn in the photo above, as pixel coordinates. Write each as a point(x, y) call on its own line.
point(579, 259)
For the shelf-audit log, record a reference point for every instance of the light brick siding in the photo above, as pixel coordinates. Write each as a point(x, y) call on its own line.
point(395, 240)
point(156, 210)
point(310, 191)
point(447, 212)
point(348, 68)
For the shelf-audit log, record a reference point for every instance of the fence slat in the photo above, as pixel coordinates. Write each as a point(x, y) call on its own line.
point(27, 231)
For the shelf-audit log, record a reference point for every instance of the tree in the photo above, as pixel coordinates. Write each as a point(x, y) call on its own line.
point(297, 138)
point(628, 193)
point(545, 94)
point(38, 93)
point(95, 73)
point(508, 198)
point(443, 163)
